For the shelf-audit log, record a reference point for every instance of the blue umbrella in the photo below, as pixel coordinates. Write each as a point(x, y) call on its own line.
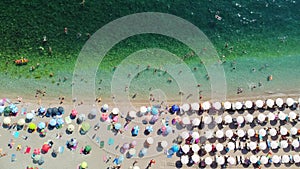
point(52, 122)
point(175, 148)
point(136, 128)
point(169, 129)
point(175, 108)
point(154, 111)
point(121, 159)
point(118, 126)
point(41, 125)
point(60, 121)
point(11, 106)
point(149, 128)
point(2, 109)
point(14, 110)
point(42, 110)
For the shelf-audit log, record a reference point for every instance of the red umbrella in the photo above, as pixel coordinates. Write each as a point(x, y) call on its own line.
point(45, 148)
point(36, 151)
point(74, 113)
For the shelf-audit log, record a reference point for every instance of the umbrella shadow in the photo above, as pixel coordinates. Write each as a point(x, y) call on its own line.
point(275, 150)
point(274, 137)
point(271, 110)
point(221, 140)
point(211, 125)
point(179, 127)
point(273, 122)
point(266, 150)
point(240, 111)
point(212, 140)
point(244, 151)
point(251, 111)
point(288, 149)
point(202, 139)
point(233, 126)
point(267, 165)
point(230, 112)
point(189, 127)
point(261, 110)
point(277, 165)
point(297, 164)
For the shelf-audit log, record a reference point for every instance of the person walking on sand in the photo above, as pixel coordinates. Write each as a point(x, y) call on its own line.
point(152, 161)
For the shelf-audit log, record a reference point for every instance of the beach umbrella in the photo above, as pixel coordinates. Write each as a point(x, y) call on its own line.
point(175, 108)
point(61, 110)
point(184, 134)
point(220, 160)
point(45, 148)
point(175, 148)
point(54, 111)
point(231, 160)
point(196, 158)
point(240, 119)
point(208, 160)
point(261, 118)
point(229, 133)
point(150, 128)
point(262, 132)
point(274, 144)
point(186, 120)
point(32, 126)
point(21, 122)
point(271, 116)
point(196, 122)
point(284, 144)
point(104, 108)
point(293, 131)
point(52, 122)
point(29, 116)
point(252, 145)
point(231, 145)
point(83, 165)
point(132, 114)
point(285, 159)
point(283, 131)
point(273, 132)
point(195, 106)
point(185, 107)
point(228, 119)
point(154, 111)
point(41, 125)
point(248, 104)
point(295, 143)
point(60, 121)
point(218, 119)
point(71, 127)
point(185, 148)
point(279, 102)
point(282, 116)
point(292, 115)
point(184, 159)
point(264, 160)
point(85, 126)
point(206, 105)
point(217, 105)
point(241, 133)
point(132, 152)
point(209, 134)
point(143, 151)
point(219, 147)
point(259, 103)
point(74, 113)
point(207, 119)
point(270, 103)
point(208, 147)
point(296, 158)
point(195, 148)
point(290, 101)
point(262, 145)
point(6, 120)
point(276, 159)
point(164, 144)
point(220, 134)
point(150, 140)
point(253, 159)
point(227, 105)
point(249, 118)
point(143, 109)
point(195, 135)
point(7, 111)
point(238, 105)
point(87, 148)
point(251, 132)
point(117, 126)
point(115, 111)
point(104, 116)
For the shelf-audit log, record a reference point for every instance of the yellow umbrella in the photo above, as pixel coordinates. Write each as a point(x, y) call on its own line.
point(83, 165)
point(6, 120)
point(85, 126)
point(21, 122)
point(71, 127)
point(32, 126)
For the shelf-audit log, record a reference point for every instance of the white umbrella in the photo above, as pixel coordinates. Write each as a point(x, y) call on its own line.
point(220, 134)
point(229, 133)
point(207, 119)
point(276, 159)
point(261, 117)
point(185, 135)
point(186, 120)
point(150, 140)
point(292, 115)
point(295, 143)
point(282, 116)
point(143, 109)
point(218, 119)
point(231, 145)
point(240, 119)
point(251, 132)
point(238, 105)
point(249, 118)
point(195, 158)
point(208, 147)
point(231, 160)
point(253, 159)
point(270, 103)
point(290, 101)
point(7, 120)
point(273, 132)
point(285, 159)
point(220, 160)
point(284, 144)
point(259, 103)
point(209, 134)
point(283, 131)
point(294, 131)
point(196, 122)
point(296, 158)
point(132, 114)
point(164, 144)
point(185, 148)
point(29, 116)
point(264, 159)
point(184, 159)
point(217, 105)
point(115, 111)
point(249, 104)
point(105, 107)
point(132, 151)
point(241, 133)
point(195, 106)
point(228, 119)
point(195, 135)
point(252, 145)
point(227, 105)
point(185, 107)
point(208, 160)
point(271, 116)
point(262, 132)
point(262, 145)
point(219, 147)
point(195, 148)
point(21, 122)
point(274, 144)
point(71, 127)
point(279, 102)
point(206, 105)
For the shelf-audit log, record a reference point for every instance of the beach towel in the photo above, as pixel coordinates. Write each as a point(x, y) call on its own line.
point(16, 134)
point(111, 141)
point(61, 149)
point(27, 151)
point(98, 139)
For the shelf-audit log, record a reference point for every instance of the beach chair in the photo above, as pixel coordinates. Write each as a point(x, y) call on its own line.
point(101, 144)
